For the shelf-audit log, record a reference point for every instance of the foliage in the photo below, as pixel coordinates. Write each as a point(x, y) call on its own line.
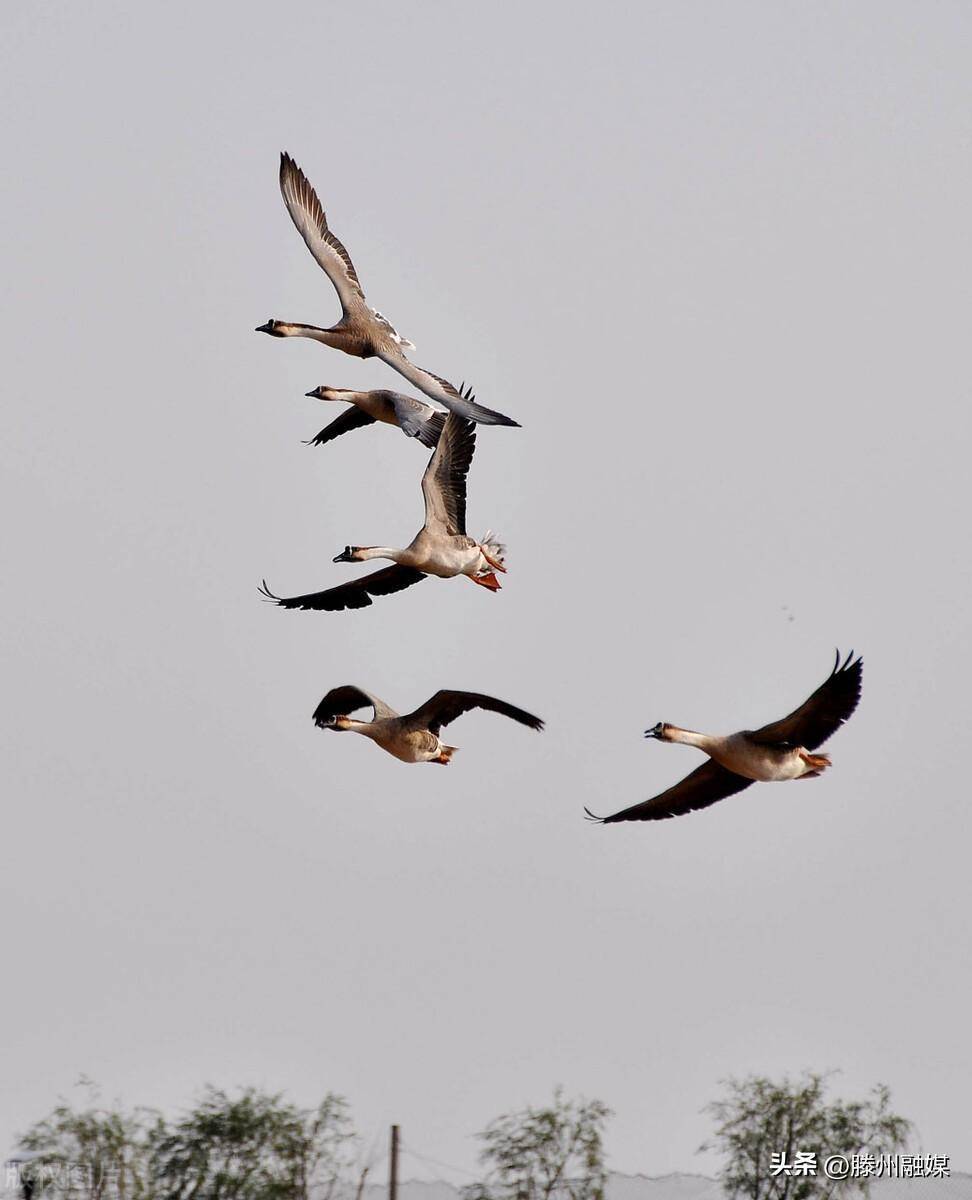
point(758, 1118)
point(90, 1154)
point(254, 1147)
point(251, 1146)
point(544, 1153)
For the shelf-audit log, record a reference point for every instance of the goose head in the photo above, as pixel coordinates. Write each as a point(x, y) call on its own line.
point(659, 731)
point(338, 723)
point(350, 554)
point(274, 328)
point(328, 393)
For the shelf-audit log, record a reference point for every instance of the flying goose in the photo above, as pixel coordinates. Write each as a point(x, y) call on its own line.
point(414, 418)
point(779, 751)
point(441, 547)
point(415, 736)
point(362, 331)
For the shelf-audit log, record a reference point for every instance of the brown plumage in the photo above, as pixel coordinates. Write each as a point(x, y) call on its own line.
point(413, 737)
point(362, 331)
point(779, 750)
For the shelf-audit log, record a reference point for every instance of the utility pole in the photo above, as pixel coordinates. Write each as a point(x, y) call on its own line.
point(393, 1166)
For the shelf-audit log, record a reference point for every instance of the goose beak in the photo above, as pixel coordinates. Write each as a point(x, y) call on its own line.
point(315, 394)
point(267, 328)
point(655, 731)
point(344, 556)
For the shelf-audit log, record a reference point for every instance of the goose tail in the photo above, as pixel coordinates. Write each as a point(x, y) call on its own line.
point(494, 551)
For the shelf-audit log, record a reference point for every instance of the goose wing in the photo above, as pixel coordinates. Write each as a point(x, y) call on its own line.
point(356, 594)
point(444, 481)
point(821, 714)
point(445, 706)
point(417, 419)
point(441, 389)
point(307, 214)
point(353, 418)
point(340, 701)
point(706, 785)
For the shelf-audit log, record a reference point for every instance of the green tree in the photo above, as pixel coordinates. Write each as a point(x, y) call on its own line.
point(92, 1153)
point(254, 1147)
point(759, 1118)
point(544, 1153)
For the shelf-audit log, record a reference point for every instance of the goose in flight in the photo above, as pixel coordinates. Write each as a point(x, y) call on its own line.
point(441, 547)
point(414, 737)
point(415, 419)
point(362, 331)
point(779, 751)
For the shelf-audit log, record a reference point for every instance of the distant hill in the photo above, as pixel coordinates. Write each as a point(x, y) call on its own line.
point(696, 1187)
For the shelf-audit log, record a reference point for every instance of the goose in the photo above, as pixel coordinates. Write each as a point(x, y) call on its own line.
point(441, 547)
point(779, 751)
point(413, 737)
point(362, 331)
point(415, 419)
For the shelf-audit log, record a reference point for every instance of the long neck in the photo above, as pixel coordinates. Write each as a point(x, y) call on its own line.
point(363, 553)
point(330, 337)
point(688, 737)
point(364, 727)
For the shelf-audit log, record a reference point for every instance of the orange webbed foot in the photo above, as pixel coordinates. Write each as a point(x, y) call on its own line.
point(488, 581)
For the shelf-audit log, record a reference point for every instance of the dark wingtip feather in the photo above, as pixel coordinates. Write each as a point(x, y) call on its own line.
point(265, 592)
point(594, 817)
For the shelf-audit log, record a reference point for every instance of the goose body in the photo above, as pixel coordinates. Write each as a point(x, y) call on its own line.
point(441, 547)
point(362, 331)
point(413, 737)
point(415, 418)
point(780, 751)
point(737, 752)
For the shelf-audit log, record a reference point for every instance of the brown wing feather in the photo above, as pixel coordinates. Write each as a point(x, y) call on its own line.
point(307, 213)
point(444, 481)
point(345, 699)
point(706, 785)
point(354, 418)
point(445, 706)
point(356, 594)
point(441, 389)
point(821, 714)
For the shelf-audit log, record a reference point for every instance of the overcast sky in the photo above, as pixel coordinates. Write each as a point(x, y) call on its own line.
point(716, 259)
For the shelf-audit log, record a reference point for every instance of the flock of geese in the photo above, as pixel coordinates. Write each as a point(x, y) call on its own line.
point(783, 750)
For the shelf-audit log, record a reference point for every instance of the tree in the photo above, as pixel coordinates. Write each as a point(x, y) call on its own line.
point(759, 1119)
point(90, 1154)
point(544, 1153)
point(251, 1146)
point(254, 1147)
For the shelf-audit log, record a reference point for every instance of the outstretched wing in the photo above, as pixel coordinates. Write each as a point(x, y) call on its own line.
point(446, 706)
point(354, 418)
point(340, 701)
point(307, 214)
point(441, 389)
point(444, 481)
point(356, 594)
point(821, 714)
point(703, 787)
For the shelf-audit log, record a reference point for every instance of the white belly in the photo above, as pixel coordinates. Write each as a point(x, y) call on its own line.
point(446, 560)
point(766, 764)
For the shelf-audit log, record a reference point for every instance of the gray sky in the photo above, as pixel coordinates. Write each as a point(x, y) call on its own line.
point(716, 259)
